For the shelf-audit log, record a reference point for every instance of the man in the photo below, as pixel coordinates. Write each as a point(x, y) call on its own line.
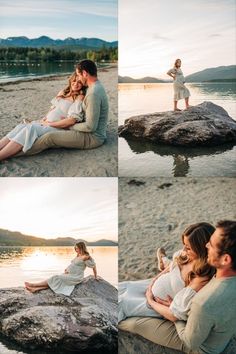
point(212, 318)
point(86, 135)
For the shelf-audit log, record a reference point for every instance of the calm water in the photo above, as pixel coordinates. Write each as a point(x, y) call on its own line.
point(22, 70)
point(148, 159)
point(18, 264)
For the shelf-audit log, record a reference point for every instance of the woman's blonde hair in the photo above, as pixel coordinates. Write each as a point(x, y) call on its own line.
point(176, 62)
point(67, 92)
point(83, 248)
point(198, 236)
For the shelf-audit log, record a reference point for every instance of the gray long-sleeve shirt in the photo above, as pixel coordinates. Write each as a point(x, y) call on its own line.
point(95, 106)
point(212, 318)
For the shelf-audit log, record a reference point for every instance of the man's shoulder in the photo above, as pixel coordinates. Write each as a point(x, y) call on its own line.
point(215, 293)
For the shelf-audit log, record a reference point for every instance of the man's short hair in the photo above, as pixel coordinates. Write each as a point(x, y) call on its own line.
point(88, 65)
point(227, 244)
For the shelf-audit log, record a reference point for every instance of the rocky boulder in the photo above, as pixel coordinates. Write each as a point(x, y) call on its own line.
point(85, 322)
point(203, 125)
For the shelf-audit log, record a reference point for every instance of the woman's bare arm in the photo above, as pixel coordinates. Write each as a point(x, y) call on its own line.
point(63, 123)
point(159, 308)
point(95, 272)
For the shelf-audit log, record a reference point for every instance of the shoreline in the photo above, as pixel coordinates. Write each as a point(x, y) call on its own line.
point(49, 77)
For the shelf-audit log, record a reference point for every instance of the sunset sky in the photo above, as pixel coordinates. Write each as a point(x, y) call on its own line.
point(83, 208)
point(153, 33)
point(59, 18)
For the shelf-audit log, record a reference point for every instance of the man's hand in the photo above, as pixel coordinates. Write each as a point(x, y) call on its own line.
point(45, 123)
point(166, 302)
point(149, 296)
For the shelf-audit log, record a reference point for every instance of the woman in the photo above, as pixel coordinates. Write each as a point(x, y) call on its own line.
point(73, 275)
point(65, 112)
point(180, 91)
point(187, 274)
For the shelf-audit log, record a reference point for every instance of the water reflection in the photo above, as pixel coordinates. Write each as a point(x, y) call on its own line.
point(155, 160)
point(21, 70)
point(181, 156)
point(18, 264)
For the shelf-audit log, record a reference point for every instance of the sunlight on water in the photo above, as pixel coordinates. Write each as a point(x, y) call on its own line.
point(18, 264)
point(147, 159)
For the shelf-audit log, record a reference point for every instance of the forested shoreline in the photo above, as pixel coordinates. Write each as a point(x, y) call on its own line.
point(50, 54)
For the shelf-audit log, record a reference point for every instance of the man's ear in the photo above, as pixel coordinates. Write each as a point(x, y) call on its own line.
point(226, 260)
point(84, 73)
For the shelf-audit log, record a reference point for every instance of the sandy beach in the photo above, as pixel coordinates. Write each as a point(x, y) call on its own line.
point(156, 213)
point(31, 99)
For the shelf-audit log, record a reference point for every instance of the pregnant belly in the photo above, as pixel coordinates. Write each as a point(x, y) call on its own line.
point(162, 287)
point(55, 115)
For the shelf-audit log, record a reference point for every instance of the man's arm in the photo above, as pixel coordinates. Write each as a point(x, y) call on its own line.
point(197, 329)
point(92, 114)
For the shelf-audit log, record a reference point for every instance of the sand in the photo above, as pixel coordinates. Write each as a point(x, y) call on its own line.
point(31, 99)
point(156, 213)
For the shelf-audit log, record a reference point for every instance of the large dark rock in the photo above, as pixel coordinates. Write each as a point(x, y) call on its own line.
point(85, 322)
point(130, 343)
point(203, 125)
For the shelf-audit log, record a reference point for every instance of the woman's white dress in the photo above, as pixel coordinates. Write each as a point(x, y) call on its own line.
point(132, 299)
point(26, 134)
point(65, 283)
point(180, 90)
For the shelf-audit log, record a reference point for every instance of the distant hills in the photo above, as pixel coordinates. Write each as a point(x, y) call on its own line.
point(44, 41)
point(221, 73)
point(11, 238)
point(147, 79)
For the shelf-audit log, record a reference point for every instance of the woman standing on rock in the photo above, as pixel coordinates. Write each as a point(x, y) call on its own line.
point(180, 91)
point(74, 274)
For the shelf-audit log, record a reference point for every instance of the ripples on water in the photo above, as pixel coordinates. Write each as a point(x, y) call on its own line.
point(148, 159)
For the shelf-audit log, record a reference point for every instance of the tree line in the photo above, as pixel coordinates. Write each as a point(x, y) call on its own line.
point(50, 54)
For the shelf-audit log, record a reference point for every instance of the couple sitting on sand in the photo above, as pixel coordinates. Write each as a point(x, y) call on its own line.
point(195, 291)
point(77, 119)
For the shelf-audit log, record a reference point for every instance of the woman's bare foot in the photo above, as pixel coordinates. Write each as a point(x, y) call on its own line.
point(31, 288)
point(28, 284)
point(177, 110)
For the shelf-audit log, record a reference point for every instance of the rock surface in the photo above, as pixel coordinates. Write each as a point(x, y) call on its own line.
point(130, 343)
point(85, 322)
point(203, 125)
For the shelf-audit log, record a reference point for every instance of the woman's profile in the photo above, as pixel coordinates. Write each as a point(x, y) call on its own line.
point(73, 275)
point(180, 90)
point(186, 274)
point(66, 110)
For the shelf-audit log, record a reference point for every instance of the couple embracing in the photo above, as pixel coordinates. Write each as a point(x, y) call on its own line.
point(195, 292)
point(77, 118)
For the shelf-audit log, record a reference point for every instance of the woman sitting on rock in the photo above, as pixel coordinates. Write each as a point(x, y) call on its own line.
point(180, 90)
point(74, 274)
point(180, 281)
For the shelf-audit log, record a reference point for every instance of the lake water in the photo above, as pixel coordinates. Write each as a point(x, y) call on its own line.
point(18, 264)
point(138, 159)
point(13, 71)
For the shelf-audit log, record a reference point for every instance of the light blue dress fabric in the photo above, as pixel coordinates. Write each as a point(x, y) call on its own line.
point(180, 90)
point(132, 294)
point(26, 134)
point(65, 283)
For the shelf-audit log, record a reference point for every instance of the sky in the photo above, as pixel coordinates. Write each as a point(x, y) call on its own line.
point(83, 208)
point(153, 33)
point(59, 19)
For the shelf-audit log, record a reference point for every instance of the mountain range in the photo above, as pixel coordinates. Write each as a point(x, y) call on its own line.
point(221, 73)
point(44, 41)
point(14, 238)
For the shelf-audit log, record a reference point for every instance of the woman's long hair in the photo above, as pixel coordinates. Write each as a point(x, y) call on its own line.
point(198, 236)
point(83, 248)
point(67, 92)
point(176, 63)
